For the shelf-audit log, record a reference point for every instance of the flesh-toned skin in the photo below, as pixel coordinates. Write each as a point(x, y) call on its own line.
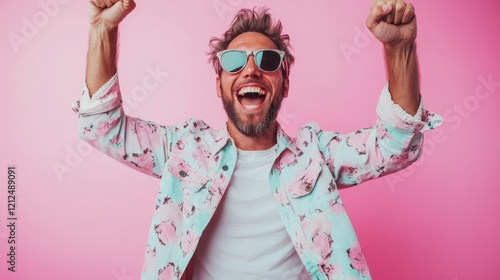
point(394, 24)
point(272, 83)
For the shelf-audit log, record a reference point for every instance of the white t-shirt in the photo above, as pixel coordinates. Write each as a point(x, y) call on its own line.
point(246, 238)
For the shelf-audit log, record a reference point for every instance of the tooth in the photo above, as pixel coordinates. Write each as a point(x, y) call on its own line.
point(248, 89)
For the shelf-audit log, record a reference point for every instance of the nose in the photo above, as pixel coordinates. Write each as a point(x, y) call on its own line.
point(251, 69)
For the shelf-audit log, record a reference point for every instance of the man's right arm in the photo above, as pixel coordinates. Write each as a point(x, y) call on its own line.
point(103, 124)
point(104, 17)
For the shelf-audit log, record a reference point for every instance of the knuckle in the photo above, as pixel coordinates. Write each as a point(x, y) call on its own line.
point(410, 6)
point(400, 7)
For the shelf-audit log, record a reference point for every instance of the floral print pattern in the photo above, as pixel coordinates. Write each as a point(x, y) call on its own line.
point(195, 163)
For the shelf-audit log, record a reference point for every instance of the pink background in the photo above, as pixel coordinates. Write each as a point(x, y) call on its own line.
point(90, 219)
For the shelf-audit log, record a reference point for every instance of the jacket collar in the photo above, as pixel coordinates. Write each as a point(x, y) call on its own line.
point(285, 141)
point(222, 138)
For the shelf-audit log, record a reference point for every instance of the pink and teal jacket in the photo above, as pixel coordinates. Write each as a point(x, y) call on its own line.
point(195, 163)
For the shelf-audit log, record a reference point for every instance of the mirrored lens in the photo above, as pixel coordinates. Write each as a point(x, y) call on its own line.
point(268, 60)
point(233, 61)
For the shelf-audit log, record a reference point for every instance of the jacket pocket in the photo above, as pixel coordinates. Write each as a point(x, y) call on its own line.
point(190, 177)
point(306, 181)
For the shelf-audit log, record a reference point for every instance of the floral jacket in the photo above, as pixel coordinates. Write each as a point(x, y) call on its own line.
point(195, 163)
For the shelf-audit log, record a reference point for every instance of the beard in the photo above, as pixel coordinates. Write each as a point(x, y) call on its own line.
point(251, 127)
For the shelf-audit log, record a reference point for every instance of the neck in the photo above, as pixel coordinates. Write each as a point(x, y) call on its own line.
point(263, 141)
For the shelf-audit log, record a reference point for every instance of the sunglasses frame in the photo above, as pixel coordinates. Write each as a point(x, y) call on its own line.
point(247, 54)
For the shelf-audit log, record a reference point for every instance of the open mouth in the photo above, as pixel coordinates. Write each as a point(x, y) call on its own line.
point(251, 97)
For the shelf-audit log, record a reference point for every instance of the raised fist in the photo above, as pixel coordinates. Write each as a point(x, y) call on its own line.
point(109, 13)
point(393, 22)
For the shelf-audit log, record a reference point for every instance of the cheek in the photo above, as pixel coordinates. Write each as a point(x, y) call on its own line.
point(226, 84)
point(279, 86)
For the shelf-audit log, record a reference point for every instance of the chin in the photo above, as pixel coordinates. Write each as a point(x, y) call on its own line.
point(252, 124)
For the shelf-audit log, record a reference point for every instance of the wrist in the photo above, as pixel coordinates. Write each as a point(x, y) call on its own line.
point(103, 29)
point(400, 55)
point(400, 47)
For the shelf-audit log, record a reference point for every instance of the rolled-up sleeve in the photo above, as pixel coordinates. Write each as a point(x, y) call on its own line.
point(107, 98)
point(393, 115)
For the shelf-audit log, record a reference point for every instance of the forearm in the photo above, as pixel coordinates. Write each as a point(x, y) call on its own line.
point(101, 57)
point(403, 76)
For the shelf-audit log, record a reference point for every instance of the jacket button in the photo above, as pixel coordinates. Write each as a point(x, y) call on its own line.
point(309, 187)
point(225, 168)
point(182, 173)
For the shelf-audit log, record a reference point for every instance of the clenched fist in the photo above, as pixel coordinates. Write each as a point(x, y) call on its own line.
point(393, 22)
point(109, 13)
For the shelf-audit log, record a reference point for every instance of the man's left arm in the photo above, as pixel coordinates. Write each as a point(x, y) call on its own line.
point(396, 140)
point(394, 24)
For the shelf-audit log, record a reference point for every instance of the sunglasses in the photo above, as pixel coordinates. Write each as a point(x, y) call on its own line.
point(233, 61)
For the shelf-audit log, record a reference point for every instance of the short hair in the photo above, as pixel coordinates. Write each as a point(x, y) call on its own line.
point(256, 20)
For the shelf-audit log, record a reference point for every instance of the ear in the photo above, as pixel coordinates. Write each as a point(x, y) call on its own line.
point(286, 86)
point(218, 88)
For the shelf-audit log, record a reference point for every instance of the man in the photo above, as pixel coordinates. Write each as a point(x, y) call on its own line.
point(250, 202)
